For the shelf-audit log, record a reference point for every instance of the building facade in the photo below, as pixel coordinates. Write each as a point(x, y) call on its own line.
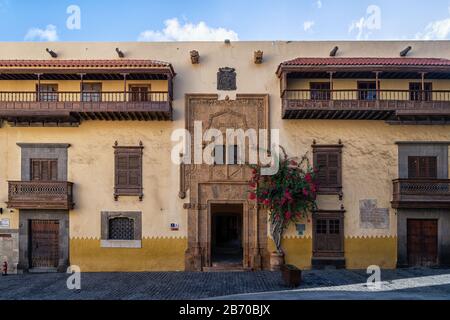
point(87, 175)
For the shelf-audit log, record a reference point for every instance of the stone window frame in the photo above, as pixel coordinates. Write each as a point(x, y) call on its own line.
point(31, 151)
point(438, 149)
point(136, 216)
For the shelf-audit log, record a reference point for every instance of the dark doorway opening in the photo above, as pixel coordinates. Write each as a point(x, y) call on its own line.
point(226, 234)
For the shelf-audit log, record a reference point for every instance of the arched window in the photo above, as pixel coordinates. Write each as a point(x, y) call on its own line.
point(121, 228)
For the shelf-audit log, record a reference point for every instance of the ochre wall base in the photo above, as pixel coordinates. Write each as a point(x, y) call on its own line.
point(156, 254)
point(359, 252)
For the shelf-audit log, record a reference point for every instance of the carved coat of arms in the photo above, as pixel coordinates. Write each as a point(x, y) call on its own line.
point(226, 79)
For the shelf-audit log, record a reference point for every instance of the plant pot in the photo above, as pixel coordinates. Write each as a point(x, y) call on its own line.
point(292, 276)
point(276, 261)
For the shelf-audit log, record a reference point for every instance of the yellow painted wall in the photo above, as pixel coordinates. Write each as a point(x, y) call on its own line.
point(369, 154)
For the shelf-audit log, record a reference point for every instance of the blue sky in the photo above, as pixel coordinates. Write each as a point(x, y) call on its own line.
point(130, 20)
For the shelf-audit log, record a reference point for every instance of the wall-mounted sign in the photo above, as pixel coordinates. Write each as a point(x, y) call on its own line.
point(4, 223)
point(174, 226)
point(301, 228)
point(372, 217)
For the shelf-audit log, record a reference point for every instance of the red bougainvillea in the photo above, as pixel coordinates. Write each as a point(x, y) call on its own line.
point(289, 195)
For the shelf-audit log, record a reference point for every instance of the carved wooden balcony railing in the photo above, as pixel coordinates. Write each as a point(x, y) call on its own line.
point(53, 195)
point(74, 107)
point(429, 193)
point(388, 105)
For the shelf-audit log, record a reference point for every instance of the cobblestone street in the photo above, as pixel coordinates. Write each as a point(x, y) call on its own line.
point(326, 284)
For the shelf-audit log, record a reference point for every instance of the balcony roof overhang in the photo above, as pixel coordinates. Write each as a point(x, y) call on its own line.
point(91, 69)
point(360, 67)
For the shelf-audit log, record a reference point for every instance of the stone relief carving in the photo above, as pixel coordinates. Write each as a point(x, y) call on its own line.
point(222, 183)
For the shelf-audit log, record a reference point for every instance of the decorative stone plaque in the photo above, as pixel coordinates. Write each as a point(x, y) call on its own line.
point(4, 223)
point(226, 79)
point(372, 217)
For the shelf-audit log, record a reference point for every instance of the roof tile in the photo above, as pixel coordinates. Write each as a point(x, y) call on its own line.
point(367, 62)
point(124, 63)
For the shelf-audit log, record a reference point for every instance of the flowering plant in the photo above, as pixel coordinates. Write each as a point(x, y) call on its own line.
point(290, 194)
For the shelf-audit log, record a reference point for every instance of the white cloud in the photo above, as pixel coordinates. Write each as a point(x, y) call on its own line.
point(174, 31)
point(307, 25)
point(436, 30)
point(367, 24)
point(319, 4)
point(48, 34)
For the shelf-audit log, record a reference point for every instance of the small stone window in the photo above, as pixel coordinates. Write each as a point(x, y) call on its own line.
point(121, 229)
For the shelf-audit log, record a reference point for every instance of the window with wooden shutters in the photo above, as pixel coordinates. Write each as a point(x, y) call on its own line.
point(328, 163)
point(422, 167)
point(128, 171)
point(44, 170)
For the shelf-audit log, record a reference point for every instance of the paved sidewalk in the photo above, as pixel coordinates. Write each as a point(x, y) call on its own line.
point(325, 284)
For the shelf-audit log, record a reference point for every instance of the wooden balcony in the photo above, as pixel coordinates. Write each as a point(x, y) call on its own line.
point(395, 106)
point(426, 194)
point(50, 195)
point(71, 108)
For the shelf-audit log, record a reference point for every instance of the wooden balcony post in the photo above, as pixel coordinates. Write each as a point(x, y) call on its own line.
point(283, 83)
point(423, 94)
point(38, 94)
point(331, 86)
point(125, 86)
point(377, 85)
point(170, 87)
point(81, 86)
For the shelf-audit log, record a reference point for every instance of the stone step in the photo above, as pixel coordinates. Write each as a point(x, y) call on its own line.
point(226, 268)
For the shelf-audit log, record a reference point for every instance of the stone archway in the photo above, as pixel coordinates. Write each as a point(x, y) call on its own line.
point(223, 184)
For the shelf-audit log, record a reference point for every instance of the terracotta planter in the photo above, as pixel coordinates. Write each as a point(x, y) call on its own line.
point(276, 261)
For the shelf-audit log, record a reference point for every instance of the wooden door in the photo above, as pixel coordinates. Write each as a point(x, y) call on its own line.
point(320, 90)
point(44, 243)
point(44, 169)
point(47, 92)
point(367, 90)
point(140, 93)
point(328, 236)
point(92, 92)
point(422, 242)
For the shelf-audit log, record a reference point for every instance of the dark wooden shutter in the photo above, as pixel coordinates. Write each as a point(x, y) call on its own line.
point(122, 170)
point(128, 171)
point(44, 169)
point(422, 167)
point(327, 160)
point(321, 165)
point(333, 169)
point(134, 170)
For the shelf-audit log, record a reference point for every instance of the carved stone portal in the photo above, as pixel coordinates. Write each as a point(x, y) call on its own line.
point(208, 185)
point(226, 79)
